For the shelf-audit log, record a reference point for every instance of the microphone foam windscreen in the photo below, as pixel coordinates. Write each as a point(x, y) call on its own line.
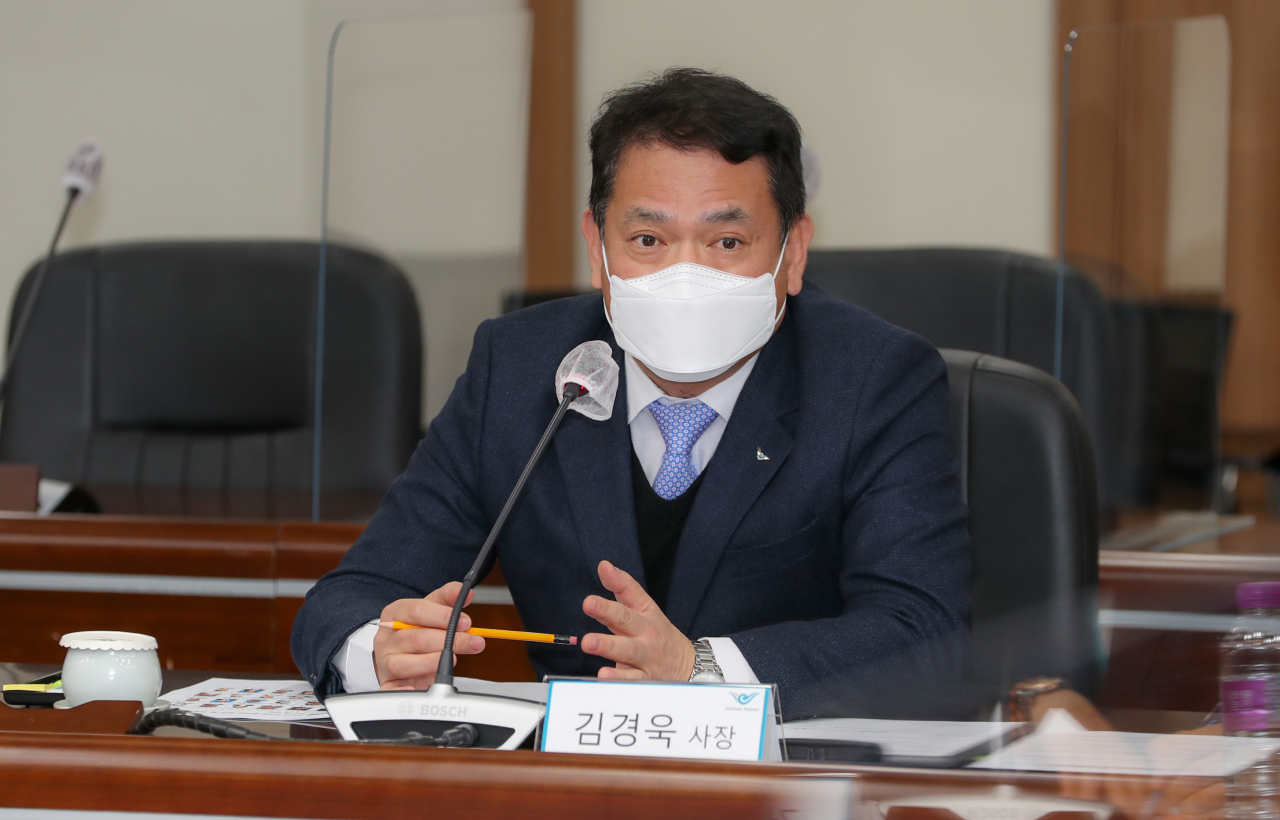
point(83, 168)
point(591, 365)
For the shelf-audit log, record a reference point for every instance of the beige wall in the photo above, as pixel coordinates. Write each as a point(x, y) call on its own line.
point(430, 117)
point(211, 117)
point(197, 106)
point(932, 119)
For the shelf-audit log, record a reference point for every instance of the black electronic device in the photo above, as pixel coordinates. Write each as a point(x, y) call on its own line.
point(41, 692)
point(840, 751)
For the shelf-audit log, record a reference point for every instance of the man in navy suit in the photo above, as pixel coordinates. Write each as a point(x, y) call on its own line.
point(774, 498)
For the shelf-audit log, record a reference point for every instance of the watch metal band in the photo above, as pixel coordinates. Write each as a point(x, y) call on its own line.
point(704, 661)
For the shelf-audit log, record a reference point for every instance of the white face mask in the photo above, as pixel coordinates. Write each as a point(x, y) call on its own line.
point(689, 322)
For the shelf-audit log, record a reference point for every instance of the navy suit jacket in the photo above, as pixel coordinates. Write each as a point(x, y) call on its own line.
point(839, 565)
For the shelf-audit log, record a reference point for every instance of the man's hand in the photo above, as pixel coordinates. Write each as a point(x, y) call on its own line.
point(644, 644)
point(1172, 798)
point(408, 658)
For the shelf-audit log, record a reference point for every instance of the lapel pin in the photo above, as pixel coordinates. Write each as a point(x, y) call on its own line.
point(760, 456)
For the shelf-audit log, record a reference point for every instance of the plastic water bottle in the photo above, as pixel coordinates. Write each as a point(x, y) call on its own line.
point(1251, 697)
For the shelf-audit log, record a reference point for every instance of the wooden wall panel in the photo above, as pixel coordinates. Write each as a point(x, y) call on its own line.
point(549, 219)
point(1252, 399)
point(1253, 217)
point(1118, 157)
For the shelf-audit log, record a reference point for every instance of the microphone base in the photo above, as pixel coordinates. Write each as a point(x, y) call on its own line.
point(503, 722)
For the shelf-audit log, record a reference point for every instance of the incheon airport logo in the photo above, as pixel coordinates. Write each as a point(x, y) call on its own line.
point(743, 698)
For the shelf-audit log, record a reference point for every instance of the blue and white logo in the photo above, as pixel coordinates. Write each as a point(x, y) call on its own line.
point(744, 698)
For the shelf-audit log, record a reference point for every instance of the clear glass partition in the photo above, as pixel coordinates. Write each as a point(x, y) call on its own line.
point(1143, 216)
point(424, 165)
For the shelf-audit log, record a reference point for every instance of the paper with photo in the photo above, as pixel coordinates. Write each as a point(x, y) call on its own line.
point(231, 699)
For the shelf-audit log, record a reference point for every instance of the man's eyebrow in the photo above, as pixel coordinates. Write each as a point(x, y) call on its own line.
point(636, 214)
point(732, 214)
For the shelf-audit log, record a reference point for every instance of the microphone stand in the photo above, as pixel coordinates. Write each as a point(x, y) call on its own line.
point(37, 283)
point(444, 672)
point(500, 722)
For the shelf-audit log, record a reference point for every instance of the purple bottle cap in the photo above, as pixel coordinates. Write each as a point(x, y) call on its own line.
point(1259, 595)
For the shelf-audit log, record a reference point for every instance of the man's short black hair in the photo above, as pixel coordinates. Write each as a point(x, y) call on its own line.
point(688, 108)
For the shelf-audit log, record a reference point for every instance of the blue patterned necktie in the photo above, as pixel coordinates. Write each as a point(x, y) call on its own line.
point(680, 425)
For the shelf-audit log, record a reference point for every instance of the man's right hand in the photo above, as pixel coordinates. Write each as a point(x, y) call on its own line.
point(408, 658)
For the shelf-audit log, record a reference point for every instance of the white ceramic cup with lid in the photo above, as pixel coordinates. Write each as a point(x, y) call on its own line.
point(110, 666)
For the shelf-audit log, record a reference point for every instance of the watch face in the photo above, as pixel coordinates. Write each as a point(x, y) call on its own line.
point(707, 677)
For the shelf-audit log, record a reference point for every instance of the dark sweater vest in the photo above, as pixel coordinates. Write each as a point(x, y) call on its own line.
point(659, 523)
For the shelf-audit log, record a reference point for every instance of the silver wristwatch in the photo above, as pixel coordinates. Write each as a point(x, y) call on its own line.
point(705, 668)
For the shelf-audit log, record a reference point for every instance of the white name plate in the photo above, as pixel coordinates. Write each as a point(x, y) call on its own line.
point(657, 719)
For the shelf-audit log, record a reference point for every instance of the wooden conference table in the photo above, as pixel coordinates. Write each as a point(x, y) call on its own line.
point(218, 594)
point(221, 595)
point(82, 760)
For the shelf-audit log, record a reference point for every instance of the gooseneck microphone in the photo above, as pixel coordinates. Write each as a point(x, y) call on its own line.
point(586, 382)
point(80, 178)
point(444, 672)
point(588, 372)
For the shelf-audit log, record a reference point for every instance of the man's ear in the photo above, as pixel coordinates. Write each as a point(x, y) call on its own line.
point(595, 255)
point(798, 253)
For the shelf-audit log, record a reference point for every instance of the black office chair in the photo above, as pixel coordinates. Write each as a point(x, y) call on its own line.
point(1004, 304)
point(1027, 474)
point(189, 365)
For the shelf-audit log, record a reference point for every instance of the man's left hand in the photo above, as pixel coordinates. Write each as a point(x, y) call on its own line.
point(644, 644)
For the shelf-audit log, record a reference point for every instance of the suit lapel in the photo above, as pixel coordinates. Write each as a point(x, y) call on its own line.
point(595, 460)
point(736, 475)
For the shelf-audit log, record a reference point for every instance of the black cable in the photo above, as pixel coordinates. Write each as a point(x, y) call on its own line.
point(200, 723)
point(464, 735)
point(37, 282)
point(444, 672)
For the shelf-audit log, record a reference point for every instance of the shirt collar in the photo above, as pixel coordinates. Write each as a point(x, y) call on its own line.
point(641, 391)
